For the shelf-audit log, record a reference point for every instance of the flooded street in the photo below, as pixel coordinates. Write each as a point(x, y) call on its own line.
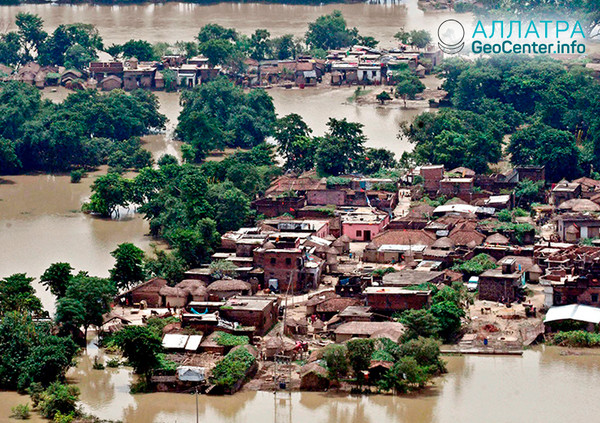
point(476, 389)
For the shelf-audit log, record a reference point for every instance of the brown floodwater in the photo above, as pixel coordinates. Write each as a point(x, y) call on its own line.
point(545, 385)
point(171, 22)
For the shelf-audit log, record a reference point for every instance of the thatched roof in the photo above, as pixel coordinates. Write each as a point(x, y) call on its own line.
point(579, 205)
point(229, 285)
point(444, 242)
point(171, 291)
point(497, 239)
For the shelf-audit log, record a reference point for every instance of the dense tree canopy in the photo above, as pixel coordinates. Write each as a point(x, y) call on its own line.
point(218, 114)
point(30, 353)
point(330, 31)
point(542, 104)
point(87, 129)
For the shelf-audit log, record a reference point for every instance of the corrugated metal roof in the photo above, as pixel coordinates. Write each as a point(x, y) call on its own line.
point(173, 341)
point(193, 342)
point(579, 312)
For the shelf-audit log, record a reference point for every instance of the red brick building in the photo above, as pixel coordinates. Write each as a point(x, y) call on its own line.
point(390, 300)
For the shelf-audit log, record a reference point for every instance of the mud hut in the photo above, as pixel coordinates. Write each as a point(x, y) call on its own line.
point(313, 377)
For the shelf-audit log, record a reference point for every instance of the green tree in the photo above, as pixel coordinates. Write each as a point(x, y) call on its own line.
point(341, 148)
point(418, 38)
point(56, 278)
point(528, 191)
point(542, 145)
point(330, 32)
point(216, 32)
point(166, 265)
point(218, 51)
point(140, 346)
point(408, 86)
point(419, 323)
point(260, 44)
point(129, 266)
point(231, 205)
point(95, 295)
point(70, 312)
point(359, 356)
point(285, 47)
point(383, 96)
point(30, 353)
point(17, 294)
point(449, 316)
point(405, 376)
point(109, 192)
point(295, 144)
point(140, 49)
point(31, 31)
point(336, 360)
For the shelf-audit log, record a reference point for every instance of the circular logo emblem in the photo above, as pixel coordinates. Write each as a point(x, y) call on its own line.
point(451, 34)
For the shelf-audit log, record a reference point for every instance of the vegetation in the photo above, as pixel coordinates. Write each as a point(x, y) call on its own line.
point(86, 300)
point(232, 368)
point(129, 266)
point(31, 353)
point(56, 400)
point(359, 352)
point(228, 340)
point(576, 338)
point(336, 361)
point(20, 412)
point(17, 295)
point(543, 105)
point(141, 346)
point(476, 266)
point(86, 130)
point(219, 114)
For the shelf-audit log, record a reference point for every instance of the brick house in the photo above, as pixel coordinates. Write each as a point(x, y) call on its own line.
point(504, 283)
point(260, 312)
point(432, 176)
point(148, 291)
point(390, 300)
point(564, 191)
point(573, 227)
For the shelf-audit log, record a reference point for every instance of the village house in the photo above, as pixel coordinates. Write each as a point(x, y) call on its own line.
point(503, 284)
point(564, 191)
point(393, 299)
point(226, 288)
point(361, 224)
point(392, 246)
point(148, 291)
point(409, 277)
point(350, 330)
point(573, 227)
point(259, 312)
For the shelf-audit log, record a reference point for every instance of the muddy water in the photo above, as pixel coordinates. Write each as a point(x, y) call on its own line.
point(476, 389)
point(172, 22)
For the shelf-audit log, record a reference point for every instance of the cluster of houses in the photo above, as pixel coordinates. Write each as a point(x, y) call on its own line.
point(355, 65)
point(335, 259)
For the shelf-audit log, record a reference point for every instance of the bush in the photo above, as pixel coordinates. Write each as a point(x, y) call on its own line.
point(232, 368)
point(58, 398)
point(577, 338)
point(76, 175)
point(113, 362)
point(336, 360)
point(97, 364)
point(229, 340)
point(20, 412)
point(476, 266)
